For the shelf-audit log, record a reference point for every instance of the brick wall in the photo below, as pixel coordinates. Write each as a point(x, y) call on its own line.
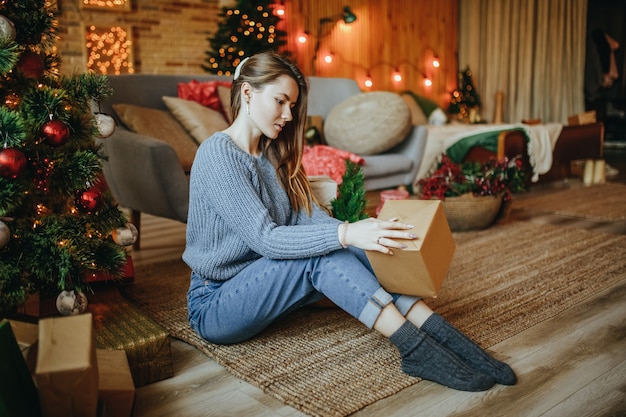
point(169, 37)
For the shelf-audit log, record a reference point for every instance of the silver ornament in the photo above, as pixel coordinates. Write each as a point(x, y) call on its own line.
point(125, 236)
point(105, 124)
point(5, 234)
point(7, 29)
point(70, 302)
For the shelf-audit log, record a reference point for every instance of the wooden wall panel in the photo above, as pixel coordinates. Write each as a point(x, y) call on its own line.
point(171, 37)
point(388, 36)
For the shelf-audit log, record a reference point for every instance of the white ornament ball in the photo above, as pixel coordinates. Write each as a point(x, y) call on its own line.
point(105, 124)
point(70, 303)
point(125, 236)
point(7, 29)
point(5, 234)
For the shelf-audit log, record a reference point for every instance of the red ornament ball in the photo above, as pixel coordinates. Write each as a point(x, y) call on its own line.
point(55, 132)
point(12, 163)
point(30, 64)
point(88, 201)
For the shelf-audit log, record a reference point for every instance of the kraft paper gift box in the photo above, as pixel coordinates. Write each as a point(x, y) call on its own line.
point(116, 390)
point(67, 370)
point(18, 394)
point(26, 335)
point(421, 268)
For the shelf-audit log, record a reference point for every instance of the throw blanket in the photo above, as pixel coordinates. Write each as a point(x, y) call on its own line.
point(326, 160)
point(541, 141)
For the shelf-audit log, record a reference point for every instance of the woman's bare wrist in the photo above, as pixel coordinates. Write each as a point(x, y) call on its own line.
point(343, 231)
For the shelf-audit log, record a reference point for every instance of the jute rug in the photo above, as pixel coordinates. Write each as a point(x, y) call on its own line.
point(321, 361)
point(604, 202)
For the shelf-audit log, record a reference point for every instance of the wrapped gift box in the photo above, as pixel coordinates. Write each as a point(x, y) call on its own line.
point(421, 268)
point(116, 391)
point(67, 371)
point(120, 325)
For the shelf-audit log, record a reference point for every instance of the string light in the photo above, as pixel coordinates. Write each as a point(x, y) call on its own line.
point(303, 38)
point(279, 9)
point(109, 4)
point(368, 80)
point(397, 77)
point(109, 50)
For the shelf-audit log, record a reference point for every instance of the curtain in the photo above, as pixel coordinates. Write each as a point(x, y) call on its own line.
point(533, 51)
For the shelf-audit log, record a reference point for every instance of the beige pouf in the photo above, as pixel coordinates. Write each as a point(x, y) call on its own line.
point(368, 123)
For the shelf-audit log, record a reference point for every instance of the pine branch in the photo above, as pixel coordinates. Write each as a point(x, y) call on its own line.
point(9, 54)
point(12, 133)
point(351, 201)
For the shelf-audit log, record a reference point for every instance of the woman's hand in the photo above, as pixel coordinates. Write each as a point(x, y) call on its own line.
point(377, 235)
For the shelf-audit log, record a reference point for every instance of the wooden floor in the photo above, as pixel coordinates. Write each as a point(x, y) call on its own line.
point(571, 365)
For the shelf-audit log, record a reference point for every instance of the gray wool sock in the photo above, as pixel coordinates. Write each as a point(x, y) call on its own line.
point(463, 347)
point(424, 358)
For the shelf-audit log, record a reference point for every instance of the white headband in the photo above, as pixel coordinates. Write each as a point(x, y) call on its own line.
point(238, 68)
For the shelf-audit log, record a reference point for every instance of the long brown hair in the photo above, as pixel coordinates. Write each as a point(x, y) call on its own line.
point(286, 151)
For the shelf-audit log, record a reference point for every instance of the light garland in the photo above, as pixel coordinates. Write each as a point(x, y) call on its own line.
point(106, 4)
point(109, 50)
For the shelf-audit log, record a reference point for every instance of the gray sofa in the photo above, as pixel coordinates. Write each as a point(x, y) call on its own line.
point(144, 174)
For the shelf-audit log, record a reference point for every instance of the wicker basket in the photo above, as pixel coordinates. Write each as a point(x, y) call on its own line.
point(467, 212)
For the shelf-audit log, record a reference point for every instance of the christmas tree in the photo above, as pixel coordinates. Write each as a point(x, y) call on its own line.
point(248, 28)
point(58, 222)
point(351, 202)
point(465, 97)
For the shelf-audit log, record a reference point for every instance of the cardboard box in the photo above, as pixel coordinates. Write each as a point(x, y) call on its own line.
point(18, 395)
point(421, 268)
point(26, 335)
point(116, 390)
point(67, 371)
point(582, 118)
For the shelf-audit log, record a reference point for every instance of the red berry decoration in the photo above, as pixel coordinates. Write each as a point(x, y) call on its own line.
point(88, 201)
point(55, 132)
point(12, 163)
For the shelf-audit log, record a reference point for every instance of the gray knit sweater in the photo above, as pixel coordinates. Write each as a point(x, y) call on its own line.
point(238, 212)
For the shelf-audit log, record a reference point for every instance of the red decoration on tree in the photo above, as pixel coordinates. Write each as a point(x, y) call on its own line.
point(55, 132)
point(30, 64)
point(88, 201)
point(12, 163)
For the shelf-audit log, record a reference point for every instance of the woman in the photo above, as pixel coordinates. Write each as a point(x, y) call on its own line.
point(260, 246)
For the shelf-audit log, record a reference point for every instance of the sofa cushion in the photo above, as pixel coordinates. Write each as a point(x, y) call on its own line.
point(200, 121)
point(205, 93)
point(432, 112)
point(224, 95)
point(368, 123)
point(417, 114)
point(385, 164)
point(159, 124)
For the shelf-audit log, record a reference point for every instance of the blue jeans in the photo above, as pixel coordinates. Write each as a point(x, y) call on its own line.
point(237, 309)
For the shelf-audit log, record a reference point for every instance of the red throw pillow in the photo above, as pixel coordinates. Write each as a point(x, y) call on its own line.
point(326, 160)
point(204, 92)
